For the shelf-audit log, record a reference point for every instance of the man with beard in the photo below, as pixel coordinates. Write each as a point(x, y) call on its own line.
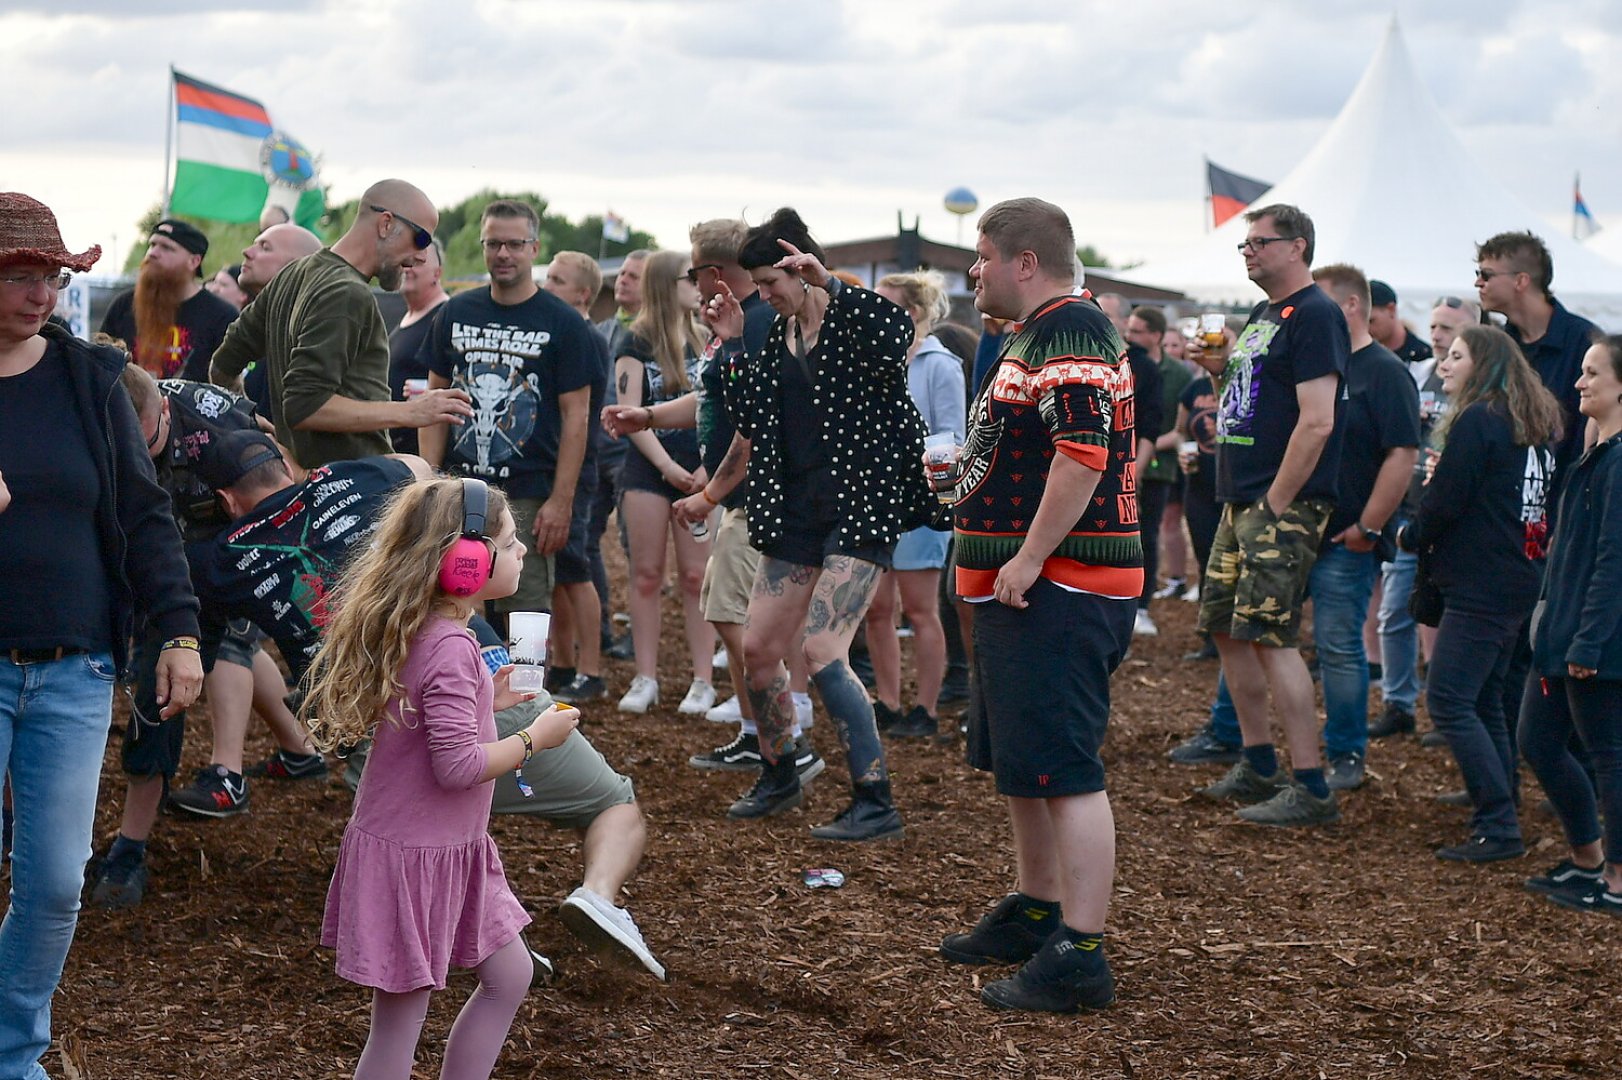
point(171, 324)
point(322, 337)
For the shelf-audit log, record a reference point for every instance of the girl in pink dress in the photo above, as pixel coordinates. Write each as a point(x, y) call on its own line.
point(418, 887)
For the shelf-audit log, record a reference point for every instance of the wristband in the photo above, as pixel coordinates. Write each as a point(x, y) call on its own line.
point(705, 491)
point(185, 641)
point(529, 745)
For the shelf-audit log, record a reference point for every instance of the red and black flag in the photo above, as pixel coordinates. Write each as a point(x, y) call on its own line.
point(1230, 192)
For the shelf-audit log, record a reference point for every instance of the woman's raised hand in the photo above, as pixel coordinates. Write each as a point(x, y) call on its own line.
point(808, 268)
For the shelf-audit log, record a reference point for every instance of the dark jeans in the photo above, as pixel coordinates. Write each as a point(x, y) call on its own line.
point(602, 504)
point(1202, 512)
point(1465, 691)
point(1151, 508)
point(1552, 709)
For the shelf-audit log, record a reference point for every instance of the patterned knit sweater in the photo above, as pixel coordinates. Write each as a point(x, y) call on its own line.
point(1061, 383)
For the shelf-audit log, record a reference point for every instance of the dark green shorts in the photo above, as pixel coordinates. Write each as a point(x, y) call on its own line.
point(1256, 578)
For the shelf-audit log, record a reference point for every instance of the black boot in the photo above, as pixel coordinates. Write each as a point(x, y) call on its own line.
point(777, 790)
point(871, 815)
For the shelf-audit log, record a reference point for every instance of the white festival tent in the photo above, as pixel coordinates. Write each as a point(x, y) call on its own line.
point(1391, 190)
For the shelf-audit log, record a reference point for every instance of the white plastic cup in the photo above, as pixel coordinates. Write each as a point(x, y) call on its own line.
point(528, 632)
point(941, 452)
point(413, 387)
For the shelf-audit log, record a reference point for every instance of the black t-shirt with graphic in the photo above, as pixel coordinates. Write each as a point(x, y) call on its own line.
point(200, 326)
point(1382, 414)
point(1200, 399)
point(407, 360)
point(199, 413)
point(515, 361)
point(1298, 339)
point(721, 366)
point(276, 564)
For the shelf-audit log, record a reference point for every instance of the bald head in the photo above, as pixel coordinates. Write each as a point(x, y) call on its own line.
point(404, 199)
point(271, 250)
point(394, 225)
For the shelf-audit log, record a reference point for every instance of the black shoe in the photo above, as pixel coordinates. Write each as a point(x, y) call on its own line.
point(1007, 934)
point(1207, 651)
point(117, 885)
point(557, 678)
point(580, 689)
point(1345, 772)
point(1394, 720)
point(884, 717)
point(1460, 799)
point(1432, 739)
point(777, 790)
point(216, 793)
point(1597, 898)
point(871, 815)
point(1204, 748)
point(1566, 877)
point(621, 649)
point(808, 764)
point(955, 690)
point(740, 755)
point(917, 724)
point(284, 766)
point(1483, 849)
point(1376, 672)
point(1060, 978)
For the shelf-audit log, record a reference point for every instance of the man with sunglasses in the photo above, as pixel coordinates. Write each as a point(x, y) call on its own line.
point(324, 343)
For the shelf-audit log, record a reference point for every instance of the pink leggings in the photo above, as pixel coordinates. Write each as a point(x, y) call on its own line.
point(477, 1035)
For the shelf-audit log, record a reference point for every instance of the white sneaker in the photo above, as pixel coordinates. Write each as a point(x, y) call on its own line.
point(719, 660)
point(642, 696)
point(1192, 595)
point(728, 712)
point(1172, 587)
point(607, 928)
point(700, 699)
point(1144, 626)
point(804, 714)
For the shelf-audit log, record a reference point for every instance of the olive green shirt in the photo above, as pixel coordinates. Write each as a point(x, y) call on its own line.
point(320, 334)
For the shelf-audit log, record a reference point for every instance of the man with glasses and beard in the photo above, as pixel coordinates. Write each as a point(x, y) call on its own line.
point(171, 324)
point(322, 337)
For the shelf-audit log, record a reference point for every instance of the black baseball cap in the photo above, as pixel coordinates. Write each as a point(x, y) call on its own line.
point(186, 235)
point(1381, 294)
point(230, 456)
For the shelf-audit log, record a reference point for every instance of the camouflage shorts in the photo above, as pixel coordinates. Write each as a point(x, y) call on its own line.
point(1256, 577)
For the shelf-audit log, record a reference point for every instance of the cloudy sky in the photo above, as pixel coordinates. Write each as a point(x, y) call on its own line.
point(669, 112)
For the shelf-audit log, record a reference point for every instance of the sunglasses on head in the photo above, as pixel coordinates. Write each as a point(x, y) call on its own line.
point(1448, 301)
point(420, 237)
point(694, 271)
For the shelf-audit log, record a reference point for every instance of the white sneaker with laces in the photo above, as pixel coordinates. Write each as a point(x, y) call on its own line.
point(642, 696)
point(1143, 625)
point(719, 661)
point(804, 714)
point(700, 698)
point(728, 712)
point(607, 928)
point(1192, 593)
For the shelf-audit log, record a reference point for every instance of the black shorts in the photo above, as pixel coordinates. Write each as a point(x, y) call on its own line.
point(152, 746)
point(571, 565)
point(638, 473)
point(811, 517)
point(1042, 689)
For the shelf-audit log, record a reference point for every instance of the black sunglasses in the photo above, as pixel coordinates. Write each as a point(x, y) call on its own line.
point(693, 271)
point(420, 237)
point(1448, 301)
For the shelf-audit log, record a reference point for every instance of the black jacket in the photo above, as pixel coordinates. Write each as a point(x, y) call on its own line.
point(140, 545)
point(1582, 592)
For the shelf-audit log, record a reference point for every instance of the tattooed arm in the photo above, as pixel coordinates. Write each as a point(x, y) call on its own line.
point(728, 475)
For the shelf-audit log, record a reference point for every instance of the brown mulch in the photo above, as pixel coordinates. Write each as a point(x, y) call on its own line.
point(1238, 952)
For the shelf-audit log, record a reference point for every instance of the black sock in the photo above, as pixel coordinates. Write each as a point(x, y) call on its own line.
point(1262, 758)
point(1313, 781)
point(1038, 911)
point(1086, 949)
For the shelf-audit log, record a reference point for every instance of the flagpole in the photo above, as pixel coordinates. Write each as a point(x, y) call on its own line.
point(168, 138)
point(1210, 207)
point(1576, 194)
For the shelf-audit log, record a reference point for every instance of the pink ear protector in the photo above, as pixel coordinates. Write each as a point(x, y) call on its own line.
point(466, 566)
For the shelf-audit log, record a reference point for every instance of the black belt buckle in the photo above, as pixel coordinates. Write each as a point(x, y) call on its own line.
point(40, 656)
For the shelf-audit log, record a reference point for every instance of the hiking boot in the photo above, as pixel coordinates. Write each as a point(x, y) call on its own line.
point(1394, 720)
point(884, 717)
point(642, 696)
point(1565, 877)
point(581, 689)
point(728, 712)
point(1597, 898)
point(1243, 784)
point(1483, 849)
point(216, 793)
point(1345, 772)
point(1061, 978)
point(1293, 807)
point(807, 762)
point(871, 815)
point(1010, 933)
point(700, 698)
point(777, 790)
point(607, 929)
point(1432, 739)
point(740, 755)
point(117, 884)
point(284, 766)
point(1204, 748)
point(917, 724)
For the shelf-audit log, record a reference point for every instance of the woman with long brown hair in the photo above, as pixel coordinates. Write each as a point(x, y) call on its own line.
point(1480, 533)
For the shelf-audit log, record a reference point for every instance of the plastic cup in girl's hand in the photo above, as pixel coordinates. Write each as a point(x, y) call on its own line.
point(941, 454)
point(529, 632)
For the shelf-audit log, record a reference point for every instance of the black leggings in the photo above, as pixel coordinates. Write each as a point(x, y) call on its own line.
point(1552, 710)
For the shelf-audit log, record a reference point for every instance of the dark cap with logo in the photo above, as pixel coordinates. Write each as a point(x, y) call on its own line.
point(230, 456)
point(187, 236)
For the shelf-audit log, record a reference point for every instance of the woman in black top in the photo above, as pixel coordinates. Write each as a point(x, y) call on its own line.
point(1480, 529)
point(88, 540)
point(834, 441)
point(1577, 651)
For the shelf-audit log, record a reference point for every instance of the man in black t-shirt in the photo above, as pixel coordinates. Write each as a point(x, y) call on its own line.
point(1380, 446)
point(169, 322)
point(1278, 456)
point(531, 370)
point(1387, 328)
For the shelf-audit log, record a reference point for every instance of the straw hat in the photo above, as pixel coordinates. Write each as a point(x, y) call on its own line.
point(28, 232)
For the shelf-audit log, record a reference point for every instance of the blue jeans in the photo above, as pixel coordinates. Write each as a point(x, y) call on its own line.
point(1224, 717)
point(1399, 634)
point(1466, 697)
point(53, 728)
point(1341, 584)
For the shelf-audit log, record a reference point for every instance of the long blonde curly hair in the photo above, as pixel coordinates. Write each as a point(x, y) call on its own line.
point(382, 600)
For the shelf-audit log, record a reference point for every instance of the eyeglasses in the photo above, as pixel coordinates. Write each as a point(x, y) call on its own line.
point(514, 246)
point(420, 237)
point(25, 282)
point(1260, 242)
point(694, 271)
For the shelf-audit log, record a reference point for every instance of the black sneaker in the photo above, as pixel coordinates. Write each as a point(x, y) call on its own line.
point(284, 766)
point(1460, 799)
point(1394, 720)
point(1345, 772)
point(917, 724)
point(1244, 784)
point(216, 793)
point(1060, 978)
point(1565, 877)
point(884, 717)
point(557, 678)
point(1207, 651)
point(1204, 748)
point(808, 764)
point(1432, 739)
point(1007, 934)
point(1293, 807)
point(777, 790)
point(117, 885)
point(740, 755)
point(1483, 849)
point(1597, 898)
point(580, 689)
point(621, 649)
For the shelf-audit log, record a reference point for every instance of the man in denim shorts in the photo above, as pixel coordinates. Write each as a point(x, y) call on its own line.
point(1278, 456)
